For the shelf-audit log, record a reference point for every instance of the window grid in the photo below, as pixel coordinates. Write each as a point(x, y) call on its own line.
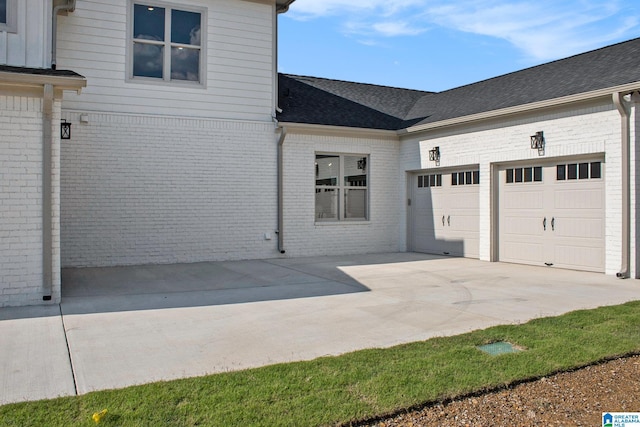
point(524, 175)
point(342, 192)
point(465, 177)
point(174, 58)
point(579, 171)
point(434, 180)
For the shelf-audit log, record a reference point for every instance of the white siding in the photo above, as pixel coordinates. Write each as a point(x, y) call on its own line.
point(144, 189)
point(589, 129)
point(21, 252)
point(239, 56)
point(302, 235)
point(29, 46)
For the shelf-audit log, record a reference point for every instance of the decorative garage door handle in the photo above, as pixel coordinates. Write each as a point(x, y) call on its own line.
point(449, 220)
point(544, 223)
point(443, 220)
point(553, 224)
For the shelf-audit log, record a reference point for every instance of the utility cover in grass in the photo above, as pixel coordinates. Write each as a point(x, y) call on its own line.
point(497, 348)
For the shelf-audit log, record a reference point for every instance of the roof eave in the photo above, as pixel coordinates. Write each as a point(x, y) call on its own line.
point(282, 6)
point(59, 82)
point(581, 97)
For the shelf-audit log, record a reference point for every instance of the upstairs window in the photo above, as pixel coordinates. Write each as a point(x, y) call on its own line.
point(166, 43)
point(8, 15)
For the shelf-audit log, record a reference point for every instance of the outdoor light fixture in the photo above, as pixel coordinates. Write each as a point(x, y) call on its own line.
point(65, 129)
point(362, 163)
point(434, 154)
point(537, 142)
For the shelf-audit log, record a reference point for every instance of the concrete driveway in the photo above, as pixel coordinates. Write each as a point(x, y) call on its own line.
point(130, 325)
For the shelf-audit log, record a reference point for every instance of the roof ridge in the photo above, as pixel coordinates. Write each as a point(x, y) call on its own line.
point(358, 83)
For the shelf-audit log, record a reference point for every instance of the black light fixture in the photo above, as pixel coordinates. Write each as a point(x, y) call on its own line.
point(65, 129)
point(362, 163)
point(434, 154)
point(537, 141)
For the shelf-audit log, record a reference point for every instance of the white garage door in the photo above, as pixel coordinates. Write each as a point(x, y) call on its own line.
point(444, 213)
point(553, 215)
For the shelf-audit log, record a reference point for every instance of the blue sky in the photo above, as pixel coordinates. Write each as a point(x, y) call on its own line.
point(438, 44)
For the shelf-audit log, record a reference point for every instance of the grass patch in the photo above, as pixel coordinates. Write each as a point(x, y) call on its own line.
point(363, 384)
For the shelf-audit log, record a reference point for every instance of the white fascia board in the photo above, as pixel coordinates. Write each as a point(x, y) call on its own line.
point(30, 80)
point(313, 129)
point(581, 97)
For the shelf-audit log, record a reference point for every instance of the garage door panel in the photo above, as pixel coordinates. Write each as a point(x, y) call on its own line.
point(579, 228)
point(523, 251)
point(524, 199)
point(522, 226)
point(591, 198)
point(445, 218)
point(584, 258)
point(573, 206)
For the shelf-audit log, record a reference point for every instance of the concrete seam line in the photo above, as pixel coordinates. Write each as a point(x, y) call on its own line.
point(66, 341)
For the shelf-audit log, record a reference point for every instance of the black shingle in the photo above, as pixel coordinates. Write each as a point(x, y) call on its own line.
point(38, 71)
point(331, 102)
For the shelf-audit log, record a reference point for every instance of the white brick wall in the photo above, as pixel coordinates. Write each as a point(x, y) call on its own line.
point(21, 274)
point(591, 129)
point(148, 189)
point(303, 236)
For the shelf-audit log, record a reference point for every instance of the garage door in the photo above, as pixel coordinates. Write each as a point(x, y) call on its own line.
point(444, 213)
point(553, 215)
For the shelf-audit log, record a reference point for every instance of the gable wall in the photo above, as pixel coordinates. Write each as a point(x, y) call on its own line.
point(239, 80)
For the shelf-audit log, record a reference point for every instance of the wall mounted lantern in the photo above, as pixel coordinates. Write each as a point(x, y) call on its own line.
point(537, 142)
point(434, 154)
point(65, 129)
point(362, 163)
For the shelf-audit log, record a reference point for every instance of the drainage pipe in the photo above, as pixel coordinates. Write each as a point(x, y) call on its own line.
point(618, 100)
point(280, 231)
point(47, 236)
point(69, 7)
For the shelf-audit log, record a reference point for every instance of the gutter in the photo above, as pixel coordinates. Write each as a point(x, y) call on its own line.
point(280, 231)
point(70, 6)
point(47, 226)
point(622, 106)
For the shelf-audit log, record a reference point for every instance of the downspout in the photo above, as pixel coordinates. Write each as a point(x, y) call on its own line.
point(47, 237)
point(280, 231)
point(618, 100)
point(69, 7)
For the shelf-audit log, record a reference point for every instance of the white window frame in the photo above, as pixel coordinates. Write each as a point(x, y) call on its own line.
point(11, 26)
point(166, 78)
point(343, 189)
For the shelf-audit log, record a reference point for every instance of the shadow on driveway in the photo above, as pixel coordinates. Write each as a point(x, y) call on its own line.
point(152, 287)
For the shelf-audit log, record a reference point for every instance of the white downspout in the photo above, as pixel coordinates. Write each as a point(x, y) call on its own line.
point(69, 7)
point(618, 100)
point(47, 227)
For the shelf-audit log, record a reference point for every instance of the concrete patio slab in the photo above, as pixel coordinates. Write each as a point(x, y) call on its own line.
point(132, 325)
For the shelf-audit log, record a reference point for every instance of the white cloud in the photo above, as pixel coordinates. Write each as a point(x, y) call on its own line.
point(305, 9)
point(541, 29)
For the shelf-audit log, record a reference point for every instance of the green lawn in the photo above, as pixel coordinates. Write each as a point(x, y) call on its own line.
point(363, 384)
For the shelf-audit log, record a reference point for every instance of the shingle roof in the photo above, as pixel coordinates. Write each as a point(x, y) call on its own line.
point(330, 102)
point(39, 71)
point(315, 100)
